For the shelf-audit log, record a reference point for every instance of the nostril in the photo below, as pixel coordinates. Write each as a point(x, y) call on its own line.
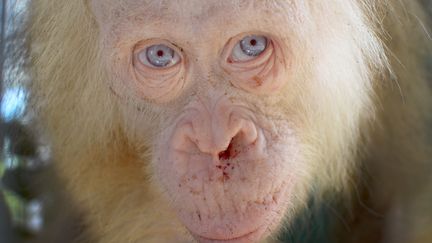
point(227, 153)
point(236, 145)
point(240, 143)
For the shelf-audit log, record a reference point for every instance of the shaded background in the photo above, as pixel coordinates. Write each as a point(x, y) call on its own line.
point(27, 204)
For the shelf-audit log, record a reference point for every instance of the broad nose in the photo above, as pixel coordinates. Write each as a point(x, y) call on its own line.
point(225, 132)
point(221, 132)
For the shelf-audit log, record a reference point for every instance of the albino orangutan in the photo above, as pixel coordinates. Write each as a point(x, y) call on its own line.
point(235, 121)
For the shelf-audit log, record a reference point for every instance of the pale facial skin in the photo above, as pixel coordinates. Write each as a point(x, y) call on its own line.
point(212, 75)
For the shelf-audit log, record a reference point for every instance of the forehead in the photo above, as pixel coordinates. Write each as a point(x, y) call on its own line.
point(194, 12)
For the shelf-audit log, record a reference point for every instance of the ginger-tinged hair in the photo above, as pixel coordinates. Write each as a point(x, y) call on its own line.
point(385, 133)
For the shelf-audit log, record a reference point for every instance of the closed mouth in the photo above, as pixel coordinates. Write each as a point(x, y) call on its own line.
point(255, 234)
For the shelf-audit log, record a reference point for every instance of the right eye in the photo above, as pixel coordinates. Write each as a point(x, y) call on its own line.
point(158, 70)
point(158, 56)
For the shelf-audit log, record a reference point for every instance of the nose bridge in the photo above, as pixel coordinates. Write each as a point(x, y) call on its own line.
point(212, 127)
point(222, 128)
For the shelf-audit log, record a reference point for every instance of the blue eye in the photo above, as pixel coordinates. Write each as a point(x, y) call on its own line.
point(253, 45)
point(249, 48)
point(159, 56)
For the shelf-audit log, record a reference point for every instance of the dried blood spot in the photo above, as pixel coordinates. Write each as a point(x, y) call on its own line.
point(221, 167)
point(229, 153)
point(225, 155)
point(225, 176)
point(258, 81)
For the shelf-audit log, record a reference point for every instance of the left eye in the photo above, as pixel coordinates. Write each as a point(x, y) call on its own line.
point(249, 48)
point(159, 56)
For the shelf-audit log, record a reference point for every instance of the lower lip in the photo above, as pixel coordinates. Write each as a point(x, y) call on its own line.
point(253, 236)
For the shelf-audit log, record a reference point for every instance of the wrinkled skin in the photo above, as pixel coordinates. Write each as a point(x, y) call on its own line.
point(221, 120)
point(228, 166)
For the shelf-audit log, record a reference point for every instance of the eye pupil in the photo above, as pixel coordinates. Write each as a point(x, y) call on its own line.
point(159, 56)
point(253, 45)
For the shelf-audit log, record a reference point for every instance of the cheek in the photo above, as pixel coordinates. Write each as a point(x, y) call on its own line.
point(243, 189)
